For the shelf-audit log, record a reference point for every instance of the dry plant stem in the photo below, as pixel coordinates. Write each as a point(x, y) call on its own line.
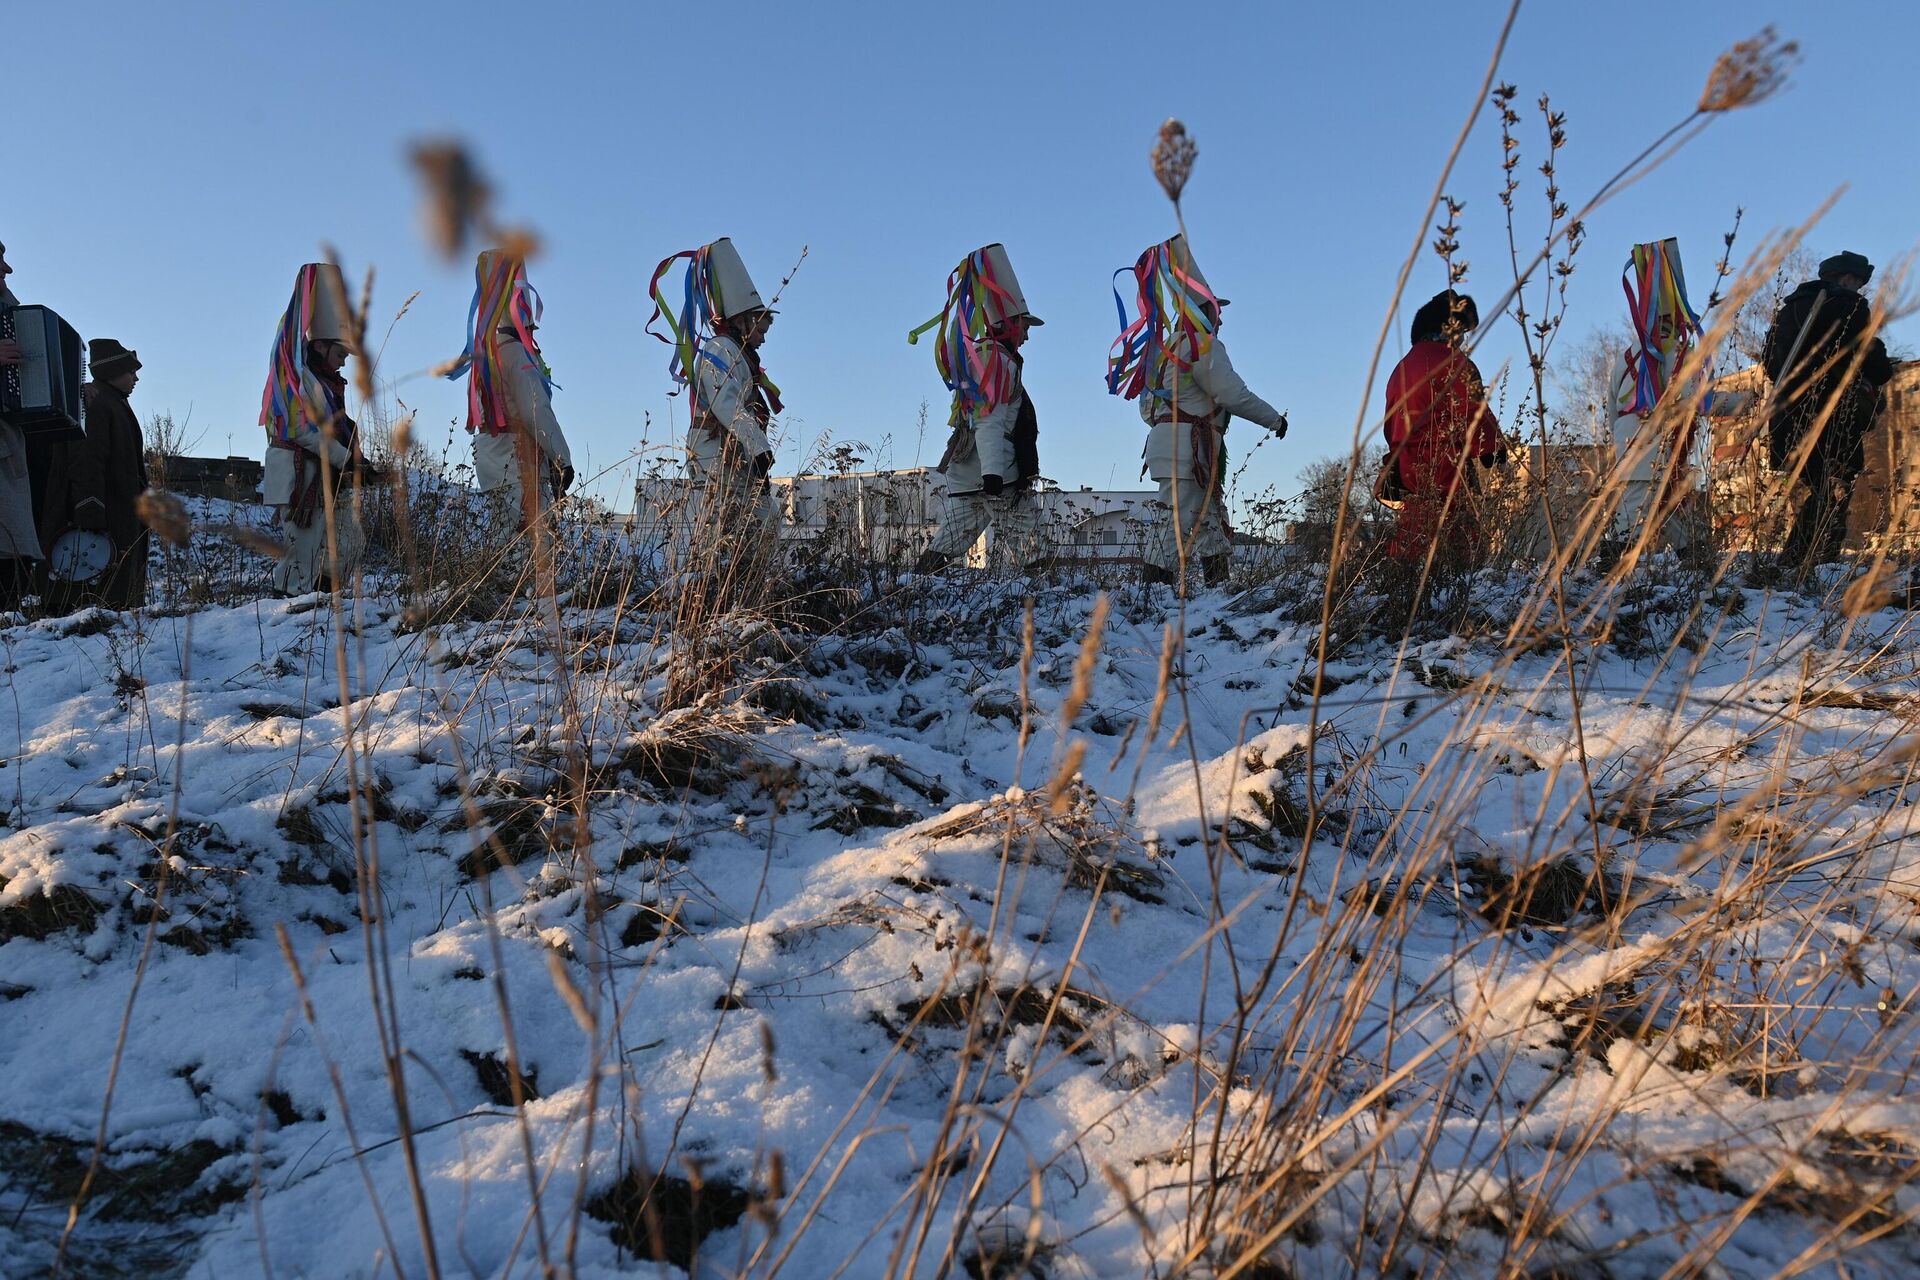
point(1536, 360)
point(1360, 421)
point(1200, 1238)
point(339, 1094)
point(1011, 1106)
point(929, 1187)
point(362, 833)
point(1076, 698)
point(156, 913)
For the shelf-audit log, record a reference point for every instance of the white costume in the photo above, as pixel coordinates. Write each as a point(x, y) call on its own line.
point(497, 466)
point(986, 442)
point(1187, 454)
point(18, 537)
point(298, 460)
point(727, 437)
point(525, 446)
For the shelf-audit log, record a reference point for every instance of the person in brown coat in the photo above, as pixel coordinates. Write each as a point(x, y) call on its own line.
point(94, 483)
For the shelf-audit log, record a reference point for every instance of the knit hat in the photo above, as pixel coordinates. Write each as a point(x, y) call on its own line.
point(1430, 321)
point(108, 359)
point(1847, 264)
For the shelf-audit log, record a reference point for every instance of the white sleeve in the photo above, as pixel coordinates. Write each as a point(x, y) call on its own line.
point(726, 390)
point(534, 404)
point(1216, 377)
point(308, 434)
point(993, 439)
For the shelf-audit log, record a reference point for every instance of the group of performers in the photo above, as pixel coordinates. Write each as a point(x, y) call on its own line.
point(1822, 356)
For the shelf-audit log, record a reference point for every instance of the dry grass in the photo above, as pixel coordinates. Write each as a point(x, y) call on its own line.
point(1349, 1108)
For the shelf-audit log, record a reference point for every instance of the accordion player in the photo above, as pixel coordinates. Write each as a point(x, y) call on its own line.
point(41, 395)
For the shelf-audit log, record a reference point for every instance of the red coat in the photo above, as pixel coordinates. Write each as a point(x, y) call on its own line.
point(1437, 415)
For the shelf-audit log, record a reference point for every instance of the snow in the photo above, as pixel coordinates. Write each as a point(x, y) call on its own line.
point(762, 950)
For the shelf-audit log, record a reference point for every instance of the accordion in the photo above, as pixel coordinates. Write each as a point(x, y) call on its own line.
point(42, 395)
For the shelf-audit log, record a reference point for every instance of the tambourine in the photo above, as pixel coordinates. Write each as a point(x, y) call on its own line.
point(79, 556)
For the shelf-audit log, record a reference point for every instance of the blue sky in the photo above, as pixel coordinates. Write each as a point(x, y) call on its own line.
point(192, 155)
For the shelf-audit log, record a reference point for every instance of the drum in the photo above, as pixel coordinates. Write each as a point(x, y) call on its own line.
point(79, 556)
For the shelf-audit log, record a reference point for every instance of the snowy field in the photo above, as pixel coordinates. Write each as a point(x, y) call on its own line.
point(1598, 964)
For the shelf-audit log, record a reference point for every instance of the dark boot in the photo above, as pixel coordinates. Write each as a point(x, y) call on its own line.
point(931, 562)
point(1153, 573)
point(1217, 569)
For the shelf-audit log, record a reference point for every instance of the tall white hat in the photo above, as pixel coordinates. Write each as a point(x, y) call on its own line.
point(999, 308)
point(1182, 257)
point(330, 302)
point(733, 291)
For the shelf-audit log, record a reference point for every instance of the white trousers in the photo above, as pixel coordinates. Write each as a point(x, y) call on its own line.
point(736, 518)
point(1203, 526)
point(307, 558)
point(1644, 455)
point(1014, 518)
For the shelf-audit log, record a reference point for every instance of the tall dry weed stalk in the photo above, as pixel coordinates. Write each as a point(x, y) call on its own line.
point(1334, 1079)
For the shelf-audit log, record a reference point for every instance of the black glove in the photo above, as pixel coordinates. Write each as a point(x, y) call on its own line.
point(762, 465)
point(1280, 432)
point(992, 485)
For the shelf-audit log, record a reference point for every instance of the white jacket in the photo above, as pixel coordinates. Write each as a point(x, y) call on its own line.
point(530, 403)
point(983, 445)
point(725, 394)
point(1210, 389)
point(1642, 447)
point(276, 481)
point(17, 536)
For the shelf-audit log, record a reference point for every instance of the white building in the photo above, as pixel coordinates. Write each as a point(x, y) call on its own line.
point(891, 515)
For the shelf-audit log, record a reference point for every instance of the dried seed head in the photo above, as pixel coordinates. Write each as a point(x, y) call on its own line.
point(1750, 72)
point(253, 540)
point(776, 1177)
point(166, 515)
point(1874, 591)
point(456, 195)
point(1173, 156)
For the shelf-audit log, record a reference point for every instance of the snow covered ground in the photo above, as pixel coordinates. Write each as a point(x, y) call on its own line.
point(1596, 983)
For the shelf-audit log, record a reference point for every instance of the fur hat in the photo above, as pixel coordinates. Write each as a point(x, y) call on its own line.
point(1431, 321)
point(1847, 264)
point(107, 359)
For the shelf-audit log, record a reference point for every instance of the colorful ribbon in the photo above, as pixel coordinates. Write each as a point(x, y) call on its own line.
point(1655, 288)
point(1171, 324)
point(700, 304)
point(968, 365)
point(283, 405)
point(502, 298)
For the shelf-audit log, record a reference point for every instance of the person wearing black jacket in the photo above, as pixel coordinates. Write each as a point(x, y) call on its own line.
point(93, 484)
point(1827, 368)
